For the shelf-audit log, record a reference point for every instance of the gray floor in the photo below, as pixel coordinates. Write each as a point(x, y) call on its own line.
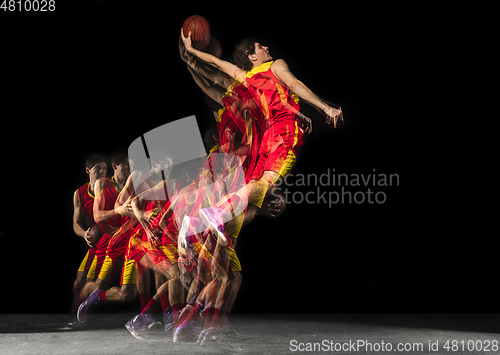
point(262, 334)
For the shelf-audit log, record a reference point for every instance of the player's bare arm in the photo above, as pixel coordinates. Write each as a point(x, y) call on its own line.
point(100, 214)
point(216, 76)
point(282, 72)
point(211, 91)
point(230, 69)
point(77, 220)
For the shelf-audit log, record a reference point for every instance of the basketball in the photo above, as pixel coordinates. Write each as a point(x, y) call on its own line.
point(214, 48)
point(200, 31)
point(274, 200)
point(95, 234)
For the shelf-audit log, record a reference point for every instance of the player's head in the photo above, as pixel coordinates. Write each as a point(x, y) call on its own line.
point(250, 53)
point(165, 164)
point(96, 167)
point(121, 166)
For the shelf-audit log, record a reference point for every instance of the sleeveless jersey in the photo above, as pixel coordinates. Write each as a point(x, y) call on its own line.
point(237, 99)
point(271, 95)
point(110, 195)
point(87, 203)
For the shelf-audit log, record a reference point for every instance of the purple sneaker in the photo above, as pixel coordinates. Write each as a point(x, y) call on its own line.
point(89, 305)
point(139, 324)
point(168, 319)
point(213, 218)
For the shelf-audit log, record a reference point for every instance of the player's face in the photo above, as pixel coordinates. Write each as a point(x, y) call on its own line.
point(262, 53)
point(122, 171)
point(165, 165)
point(98, 171)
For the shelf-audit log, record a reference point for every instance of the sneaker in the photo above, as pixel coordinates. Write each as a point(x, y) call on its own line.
point(213, 218)
point(88, 306)
point(187, 331)
point(168, 319)
point(225, 337)
point(75, 325)
point(139, 324)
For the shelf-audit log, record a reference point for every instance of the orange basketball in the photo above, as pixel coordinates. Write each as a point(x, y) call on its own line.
point(200, 31)
point(95, 234)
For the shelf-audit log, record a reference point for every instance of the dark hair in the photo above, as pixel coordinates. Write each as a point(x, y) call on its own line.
point(95, 158)
point(119, 157)
point(243, 49)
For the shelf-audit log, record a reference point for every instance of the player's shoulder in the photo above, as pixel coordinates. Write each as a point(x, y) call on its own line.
point(102, 183)
point(82, 189)
point(279, 64)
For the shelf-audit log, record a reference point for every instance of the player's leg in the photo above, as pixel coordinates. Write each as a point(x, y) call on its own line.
point(128, 289)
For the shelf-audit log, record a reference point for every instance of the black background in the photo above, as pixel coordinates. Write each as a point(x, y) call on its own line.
point(89, 78)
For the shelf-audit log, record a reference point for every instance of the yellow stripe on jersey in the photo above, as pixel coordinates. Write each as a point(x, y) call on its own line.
point(259, 69)
point(290, 157)
point(221, 111)
point(281, 92)
point(264, 106)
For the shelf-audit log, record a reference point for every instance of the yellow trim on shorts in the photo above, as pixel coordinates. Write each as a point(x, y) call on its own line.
point(92, 270)
point(233, 259)
point(107, 266)
point(129, 274)
point(84, 262)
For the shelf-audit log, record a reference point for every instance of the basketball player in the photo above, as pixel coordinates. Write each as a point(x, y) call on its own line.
point(275, 89)
point(107, 192)
point(83, 203)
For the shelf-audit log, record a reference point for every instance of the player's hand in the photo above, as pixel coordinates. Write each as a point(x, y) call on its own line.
point(306, 122)
point(333, 115)
point(87, 238)
point(271, 208)
point(182, 51)
point(153, 238)
point(186, 40)
point(126, 209)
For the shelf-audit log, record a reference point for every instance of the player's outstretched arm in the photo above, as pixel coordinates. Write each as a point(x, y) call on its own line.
point(226, 67)
point(211, 91)
point(192, 61)
point(282, 72)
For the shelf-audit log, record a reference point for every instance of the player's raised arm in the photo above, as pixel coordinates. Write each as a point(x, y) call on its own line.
point(282, 72)
point(226, 67)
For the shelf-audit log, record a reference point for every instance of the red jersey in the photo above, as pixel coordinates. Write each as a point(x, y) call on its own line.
point(87, 203)
point(110, 194)
point(274, 98)
point(237, 99)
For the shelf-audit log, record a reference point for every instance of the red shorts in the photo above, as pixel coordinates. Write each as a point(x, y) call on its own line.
point(163, 249)
point(118, 244)
point(279, 148)
point(99, 256)
point(135, 250)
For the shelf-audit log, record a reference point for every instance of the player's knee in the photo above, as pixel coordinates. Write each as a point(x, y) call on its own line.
point(79, 282)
